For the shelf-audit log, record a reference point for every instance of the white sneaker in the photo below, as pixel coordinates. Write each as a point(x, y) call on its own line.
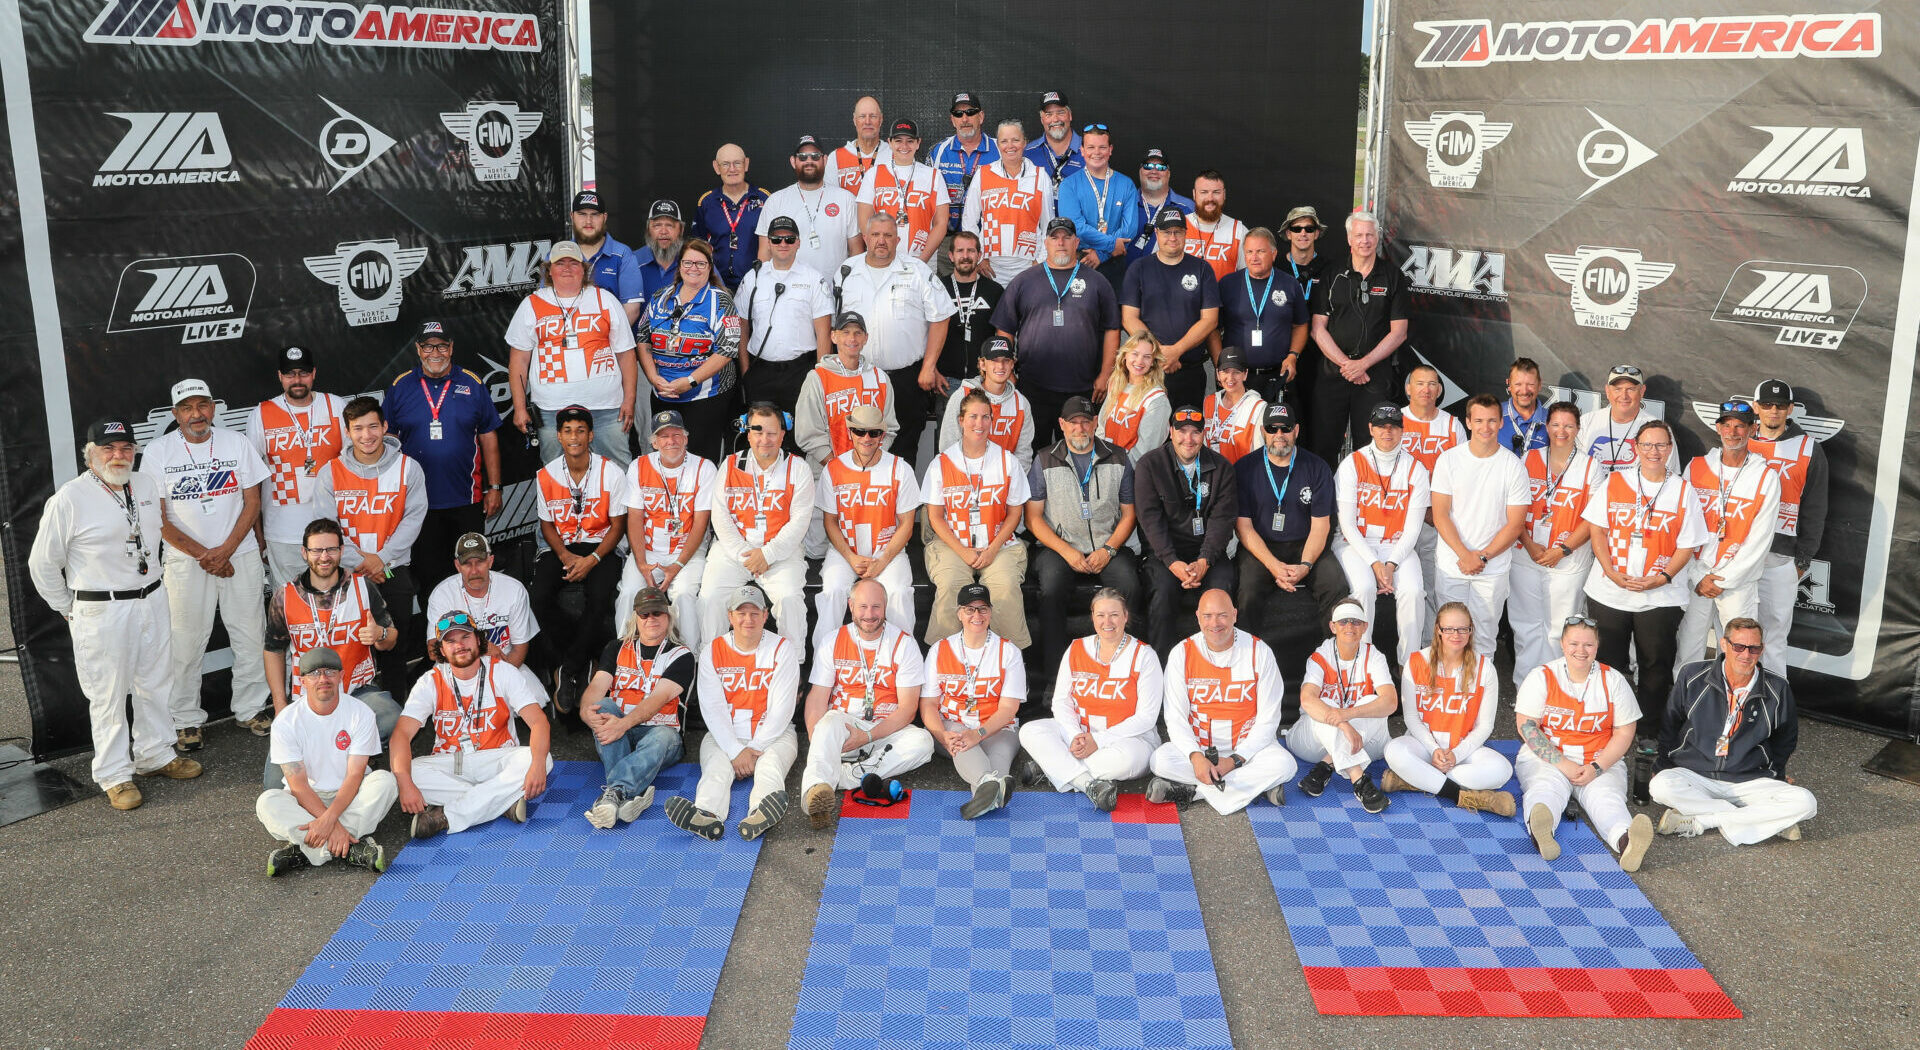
point(1673, 822)
point(631, 808)
point(601, 813)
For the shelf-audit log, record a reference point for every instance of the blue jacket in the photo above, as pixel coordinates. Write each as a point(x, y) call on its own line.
point(1076, 199)
point(1141, 247)
point(1769, 727)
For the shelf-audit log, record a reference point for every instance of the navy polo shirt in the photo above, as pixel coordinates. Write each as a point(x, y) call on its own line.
point(1063, 360)
point(1170, 298)
point(615, 268)
point(735, 248)
point(452, 464)
point(1308, 493)
point(1280, 304)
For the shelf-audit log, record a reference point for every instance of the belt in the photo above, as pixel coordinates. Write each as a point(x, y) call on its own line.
point(116, 596)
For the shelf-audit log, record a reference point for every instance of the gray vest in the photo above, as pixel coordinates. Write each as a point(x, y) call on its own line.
point(1063, 494)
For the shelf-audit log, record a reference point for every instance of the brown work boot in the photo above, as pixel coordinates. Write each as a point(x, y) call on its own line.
point(178, 769)
point(1393, 782)
point(1499, 803)
point(124, 795)
point(189, 738)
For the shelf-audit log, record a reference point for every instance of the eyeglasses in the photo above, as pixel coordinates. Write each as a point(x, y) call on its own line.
point(434, 348)
point(694, 264)
point(1302, 229)
point(863, 432)
point(1456, 630)
point(1280, 428)
point(1580, 621)
point(975, 610)
point(1750, 650)
point(966, 112)
point(452, 619)
point(1349, 623)
point(809, 156)
point(784, 239)
point(1101, 128)
point(323, 551)
point(1652, 446)
point(322, 672)
point(1153, 167)
point(733, 164)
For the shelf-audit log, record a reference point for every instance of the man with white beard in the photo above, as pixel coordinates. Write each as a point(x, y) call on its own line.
point(1156, 194)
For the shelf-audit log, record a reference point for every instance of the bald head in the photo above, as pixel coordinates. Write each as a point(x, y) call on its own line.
point(867, 605)
point(730, 163)
point(1217, 618)
point(866, 120)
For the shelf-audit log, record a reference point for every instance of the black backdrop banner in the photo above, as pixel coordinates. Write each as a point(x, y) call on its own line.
point(1264, 92)
point(203, 182)
point(1719, 194)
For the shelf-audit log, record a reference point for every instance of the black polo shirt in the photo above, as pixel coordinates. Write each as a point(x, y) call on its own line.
point(1311, 275)
point(1307, 493)
point(1170, 298)
point(1274, 304)
point(1064, 359)
point(1360, 309)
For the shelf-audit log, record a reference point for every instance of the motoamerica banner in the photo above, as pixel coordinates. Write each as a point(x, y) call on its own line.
point(203, 182)
point(1718, 193)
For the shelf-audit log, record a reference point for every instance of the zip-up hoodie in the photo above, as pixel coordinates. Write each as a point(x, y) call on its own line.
point(810, 429)
point(1768, 732)
point(398, 550)
point(1805, 543)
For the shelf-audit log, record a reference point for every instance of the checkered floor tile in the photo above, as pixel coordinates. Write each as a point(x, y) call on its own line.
point(1432, 909)
point(1046, 924)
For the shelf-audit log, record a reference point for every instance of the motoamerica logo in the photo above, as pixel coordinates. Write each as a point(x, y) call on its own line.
point(1473, 43)
point(1465, 273)
point(168, 149)
point(1806, 162)
point(182, 23)
point(487, 268)
point(205, 296)
point(1806, 304)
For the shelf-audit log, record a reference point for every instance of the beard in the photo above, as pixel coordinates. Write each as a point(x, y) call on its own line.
point(114, 473)
point(1153, 185)
point(1207, 211)
point(873, 626)
point(965, 267)
point(464, 657)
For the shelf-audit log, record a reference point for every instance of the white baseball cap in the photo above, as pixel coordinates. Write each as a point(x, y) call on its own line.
point(187, 388)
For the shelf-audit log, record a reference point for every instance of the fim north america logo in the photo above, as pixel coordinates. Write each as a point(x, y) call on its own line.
point(1806, 304)
point(493, 132)
point(1456, 145)
point(1607, 283)
point(367, 275)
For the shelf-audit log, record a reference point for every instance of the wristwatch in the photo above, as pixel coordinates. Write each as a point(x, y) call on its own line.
point(1564, 549)
point(1111, 552)
point(493, 488)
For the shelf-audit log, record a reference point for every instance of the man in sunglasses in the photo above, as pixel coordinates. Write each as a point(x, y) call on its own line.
point(867, 498)
point(1739, 496)
point(1359, 323)
point(1187, 498)
point(825, 216)
point(1285, 523)
point(583, 516)
point(956, 158)
point(1303, 262)
point(1103, 204)
point(1796, 456)
point(786, 311)
point(478, 769)
point(1731, 727)
point(1058, 149)
point(1156, 196)
point(1606, 433)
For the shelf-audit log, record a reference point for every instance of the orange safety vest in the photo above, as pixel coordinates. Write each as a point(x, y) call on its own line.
point(571, 345)
point(1426, 439)
point(297, 447)
point(1555, 503)
point(486, 720)
point(1336, 689)
point(369, 509)
point(1729, 515)
point(634, 679)
point(666, 509)
point(587, 520)
point(1220, 248)
point(1121, 425)
point(912, 201)
point(745, 681)
point(970, 696)
point(1238, 432)
point(750, 502)
point(868, 512)
point(865, 686)
point(1010, 211)
point(1628, 513)
point(1381, 508)
point(850, 167)
point(1007, 419)
point(969, 498)
point(339, 630)
point(843, 394)
point(1221, 701)
point(1104, 694)
point(1791, 460)
point(1577, 734)
point(1448, 711)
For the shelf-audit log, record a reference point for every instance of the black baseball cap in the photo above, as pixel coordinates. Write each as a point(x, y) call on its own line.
point(432, 330)
point(1773, 392)
point(1170, 219)
point(587, 200)
point(1386, 414)
point(997, 348)
point(1053, 98)
point(1154, 156)
point(295, 359)
point(964, 98)
point(1231, 357)
point(1187, 416)
point(971, 593)
point(783, 224)
point(1078, 408)
point(1062, 224)
point(806, 143)
point(109, 430)
point(850, 319)
point(664, 209)
point(1277, 415)
point(572, 414)
point(668, 418)
point(904, 127)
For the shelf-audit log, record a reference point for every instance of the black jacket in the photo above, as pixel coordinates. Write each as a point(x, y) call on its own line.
point(1165, 505)
point(1697, 710)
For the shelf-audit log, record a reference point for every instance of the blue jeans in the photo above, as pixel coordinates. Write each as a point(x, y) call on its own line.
point(386, 715)
point(637, 757)
point(608, 439)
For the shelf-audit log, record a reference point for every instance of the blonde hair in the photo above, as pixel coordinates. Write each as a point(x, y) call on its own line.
point(1120, 383)
point(1469, 656)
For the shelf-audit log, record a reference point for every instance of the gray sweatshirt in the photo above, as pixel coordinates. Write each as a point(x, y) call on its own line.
point(397, 549)
point(810, 430)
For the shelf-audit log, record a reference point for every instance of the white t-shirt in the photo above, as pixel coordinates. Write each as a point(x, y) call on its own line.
point(780, 307)
point(203, 486)
point(1363, 676)
point(1482, 490)
point(506, 682)
point(505, 614)
point(899, 301)
point(826, 218)
point(594, 308)
point(1611, 444)
point(323, 743)
point(909, 667)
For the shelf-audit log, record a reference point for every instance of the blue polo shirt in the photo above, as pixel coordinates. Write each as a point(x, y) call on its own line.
point(1521, 434)
point(1170, 298)
point(956, 164)
point(1077, 198)
point(1274, 305)
point(1143, 241)
point(1307, 493)
point(1040, 154)
point(655, 275)
point(729, 228)
point(615, 268)
point(452, 464)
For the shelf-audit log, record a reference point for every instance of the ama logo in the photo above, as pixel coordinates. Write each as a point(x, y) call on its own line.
point(368, 276)
point(1466, 273)
point(1456, 145)
point(493, 132)
point(486, 268)
point(1607, 283)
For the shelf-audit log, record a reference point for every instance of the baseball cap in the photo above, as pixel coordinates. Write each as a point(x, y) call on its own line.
point(964, 98)
point(433, 330)
point(1078, 408)
point(1386, 414)
point(866, 417)
point(187, 388)
point(295, 358)
point(1187, 416)
point(1231, 357)
point(1062, 224)
point(783, 224)
point(587, 200)
point(747, 594)
point(319, 658)
point(651, 599)
point(1277, 415)
point(850, 319)
point(668, 418)
point(904, 127)
point(471, 545)
point(1305, 211)
point(457, 620)
point(1736, 408)
point(996, 349)
point(1053, 98)
point(109, 430)
point(565, 250)
point(806, 143)
point(1631, 373)
point(971, 594)
point(1773, 392)
point(573, 414)
point(1154, 156)
point(1170, 219)
point(1349, 609)
point(664, 209)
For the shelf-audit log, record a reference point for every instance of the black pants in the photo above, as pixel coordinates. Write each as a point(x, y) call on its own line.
point(1188, 387)
point(1046, 412)
point(1272, 388)
point(398, 592)
point(1340, 409)
point(432, 559)
point(910, 408)
point(1171, 608)
point(568, 641)
point(1654, 637)
point(1115, 271)
point(711, 431)
point(1292, 623)
point(1057, 581)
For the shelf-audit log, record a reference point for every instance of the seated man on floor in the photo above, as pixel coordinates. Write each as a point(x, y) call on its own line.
point(633, 706)
point(977, 682)
point(332, 802)
point(1345, 701)
point(477, 770)
point(1723, 759)
point(1222, 706)
point(867, 679)
point(1106, 705)
point(748, 682)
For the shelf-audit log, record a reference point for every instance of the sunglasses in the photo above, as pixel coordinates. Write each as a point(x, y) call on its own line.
point(966, 112)
point(1302, 229)
point(1188, 416)
point(651, 614)
point(1280, 428)
point(1153, 167)
point(1735, 406)
point(1750, 650)
point(785, 238)
point(1580, 621)
point(863, 432)
point(453, 619)
point(1626, 371)
point(1101, 128)
point(809, 156)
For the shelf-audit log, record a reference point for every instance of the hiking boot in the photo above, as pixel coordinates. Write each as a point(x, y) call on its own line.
point(764, 816)
point(368, 854)
point(1673, 822)
point(631, 808)
point(190, 738)
point(286, 859)
point(1499, 803)
point(1392, 782)
point(178, 769)
point(1159, 789)
point(1026, 772)
point(1104, 794)
point(518, 811)
point(429, 822)
point(1277, 794)
point(1316, 779)
point(260, 724)
point(988, 795)
point(1372, 799)
point(1639, 836)
point(819, 805)
point(1540, 826)
point(124, 795)
point(605, 809)
point(683, 814)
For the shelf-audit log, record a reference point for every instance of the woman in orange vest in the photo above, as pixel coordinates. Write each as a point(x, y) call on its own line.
point(1136, 411)
point(1106, 704)
point(1233, 413)
point(1346, 698)
point(1448, 694)
point(976, 681)
point(748, 683)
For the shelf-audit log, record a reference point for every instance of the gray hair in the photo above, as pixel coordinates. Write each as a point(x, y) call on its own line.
point(891, 218)
point(1264, 234)
point(1013, 122)
point(1361, 216)
point(1108, 594)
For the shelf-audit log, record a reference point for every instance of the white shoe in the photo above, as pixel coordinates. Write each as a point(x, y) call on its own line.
point(1673, 822)
point(601, 813)
point(631, 808)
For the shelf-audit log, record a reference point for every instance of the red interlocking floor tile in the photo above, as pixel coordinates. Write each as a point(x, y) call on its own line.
point(287, 1029)
point(1378, 991)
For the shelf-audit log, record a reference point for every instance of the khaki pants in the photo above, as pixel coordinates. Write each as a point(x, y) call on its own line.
point(1002, 579)
point(283, 815)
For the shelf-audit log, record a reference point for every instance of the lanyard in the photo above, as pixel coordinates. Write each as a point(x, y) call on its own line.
point(1643, 506)
point(1086, 479)
point(1348, 676)
point(1306, 283)
point(1060, 295)
point(579, 493)
point(1726, 490)
point(1191, 474)
point(811, 212)
point(1280, 491)
point(967, 311)
point(1259, 302)
point(647, 675)
point(567, 311)
point(468, 714)
point(1533, 425)
point(866, 673)
point(433, 404)
point(132, 511)
point(733, 221)
point(1736, 702)
point(1100, 196)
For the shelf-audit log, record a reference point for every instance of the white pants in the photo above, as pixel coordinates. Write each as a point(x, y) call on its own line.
point(1425, 547)
point(991, 757)
point(715, 792)
point(1272, 765)
point(836, 582)
point(1485, 596)
point(121, 650)
point(1710, 615)
point(1748, 812)
point(1779, 590)
point(1604, 797)
point(784, 584)
point(283, 815)
point(1538, 604)
point(1410, 603)
point(192, 595)
point(829, 763)
point(1048, 741)
point(684, 594)
point(486, 785)
point(1482, 769)
point(284, 562)
point(1318, 742)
